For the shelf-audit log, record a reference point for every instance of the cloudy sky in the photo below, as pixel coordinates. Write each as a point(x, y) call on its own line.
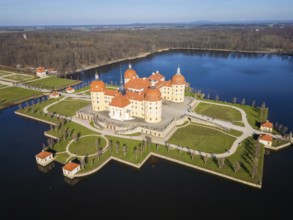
point(58, 12)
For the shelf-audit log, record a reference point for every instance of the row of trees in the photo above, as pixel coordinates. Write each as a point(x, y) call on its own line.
point(67, 51)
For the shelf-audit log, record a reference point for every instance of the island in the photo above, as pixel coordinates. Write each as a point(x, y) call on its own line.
point(152, 116)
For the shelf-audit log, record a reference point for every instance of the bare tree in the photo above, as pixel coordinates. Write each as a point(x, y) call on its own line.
point(117, 146)
point(167, 146)
point(217, 98)
point(98, 142)
point(124, 149)
point(253, 171)
point(205, 158)
point(74, 137)
point(236, 166)
point(99, 154)
point(284, 130)
point(140, 148)
point(50, 142)
point(221, 162)
point(110, 144)
point(135, 152)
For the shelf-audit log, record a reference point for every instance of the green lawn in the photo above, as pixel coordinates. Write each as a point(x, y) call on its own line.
point(2, 86)
point(6, 72)
point(18, 77)
point(68, 107)
point(253, 113)
point(83, 89)
point(61, 158)
point(53, 83)
point(202, 139)
point(219, 112)
point(12, 95)
point(278, 142)
point(36, 110)
point(243, 154)
point(86, 145)
point(130, 154)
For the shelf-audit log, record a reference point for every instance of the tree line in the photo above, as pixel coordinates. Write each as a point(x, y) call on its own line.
point(69, 50)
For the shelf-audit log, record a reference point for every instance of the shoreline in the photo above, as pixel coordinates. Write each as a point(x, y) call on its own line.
point(146, 54)
point(20, 101)
point(34, 118)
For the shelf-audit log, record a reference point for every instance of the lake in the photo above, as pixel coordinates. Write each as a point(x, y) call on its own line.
point(160, 188)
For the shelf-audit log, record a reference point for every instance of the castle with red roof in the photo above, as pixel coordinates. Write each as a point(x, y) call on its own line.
point(138, 97)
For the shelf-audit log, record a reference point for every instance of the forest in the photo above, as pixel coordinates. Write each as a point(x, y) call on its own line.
point(69, 50)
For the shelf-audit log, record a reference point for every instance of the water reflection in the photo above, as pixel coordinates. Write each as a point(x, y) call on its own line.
point(71, 182)
point(47, 168)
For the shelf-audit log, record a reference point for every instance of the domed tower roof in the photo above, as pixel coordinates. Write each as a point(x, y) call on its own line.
point(97, 86)
point(153, 94)
point(178, 79)
point(130, 73)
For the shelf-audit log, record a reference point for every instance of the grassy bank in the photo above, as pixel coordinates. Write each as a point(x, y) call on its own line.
point(202, 138)
point(53, 83)
point(253, 113)
point(68, 107)
point(219, 112)
point(13, 96)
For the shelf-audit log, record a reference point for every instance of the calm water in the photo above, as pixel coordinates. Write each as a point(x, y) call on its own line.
point(159, 188)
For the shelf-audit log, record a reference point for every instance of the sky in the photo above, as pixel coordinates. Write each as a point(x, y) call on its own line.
point(79, 12)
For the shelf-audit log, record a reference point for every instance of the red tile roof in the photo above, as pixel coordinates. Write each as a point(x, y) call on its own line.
point(156, 76)
point(153, 95)
point(120, 101)
point(266, 137)
point(97, 86)
point(41, 70)
point(69, 88)
point(163, 83)
point(55, 94)
point(43, 154)
point(111, 92)
point(178, 79)
point(70, 166)
point(267, 124)
point(138, 96)
point(139, 83)
point(130, 74)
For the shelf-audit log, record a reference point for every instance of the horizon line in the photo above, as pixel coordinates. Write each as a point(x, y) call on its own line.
point(157, 23)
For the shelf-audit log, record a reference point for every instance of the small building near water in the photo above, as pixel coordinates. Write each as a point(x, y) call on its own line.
point(54, 95)
point(70, 169)
point(41, 72)
point(69, 89)
point(266, 139)
point(267, 126)
point(44, 158)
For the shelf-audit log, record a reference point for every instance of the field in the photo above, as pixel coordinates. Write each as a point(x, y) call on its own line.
point(219, 112)
point(12, 95)
point(52, 83)
point(86, 145)
point(18, 77)
point(14, 76)
point(202, 138)
point(68, 107)
point(2, 86)
point(253, 113)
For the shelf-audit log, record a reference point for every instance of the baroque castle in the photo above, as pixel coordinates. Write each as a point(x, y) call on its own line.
point(137, 97)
